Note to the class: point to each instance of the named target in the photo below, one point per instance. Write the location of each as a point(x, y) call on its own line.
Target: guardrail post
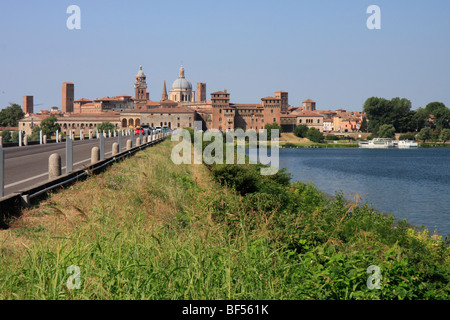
point(54, 166)
point(44, 139)
point(115, 149)
point(25, 140)
point(119, 141)
point(95, 155)
point(40, 137)
point(109, 133)
point(129, 144)
point(69, 155)
point(96, 134)
point(1, 141)
point(2, 171)
point(20, 138)
point(90, 134)
point(57, 136)
point(138, 142)
point(81, 135)
point(102, 147)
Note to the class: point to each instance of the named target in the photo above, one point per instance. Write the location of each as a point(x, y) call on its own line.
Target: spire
point(181, 71)
point(164, 92)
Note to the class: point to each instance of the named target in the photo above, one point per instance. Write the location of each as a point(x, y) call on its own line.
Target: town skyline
point(320, 51)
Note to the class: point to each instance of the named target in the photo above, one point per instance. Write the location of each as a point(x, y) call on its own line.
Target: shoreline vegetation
point(149, 229)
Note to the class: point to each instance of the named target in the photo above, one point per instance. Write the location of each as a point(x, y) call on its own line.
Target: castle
point(178, 108)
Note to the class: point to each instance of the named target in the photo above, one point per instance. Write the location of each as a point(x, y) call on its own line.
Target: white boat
point(404, 144)
point(377, 143)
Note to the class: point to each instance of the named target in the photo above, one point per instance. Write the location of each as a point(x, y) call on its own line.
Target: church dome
point(181, 82)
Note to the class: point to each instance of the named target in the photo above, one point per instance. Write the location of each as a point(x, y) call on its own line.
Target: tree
point(445, 135)
point(301, 130)
point(6, 134)
point(314, 135)
point(419, 119)
point(35, 133)
point(386, 131)
point(273, 126)
point(396, 112)
point(378, 112)
point(10, 116)
point(435, 134)
point(364, 126)
point(424, 134)
point(441, 114)
point(407, 136)
point(49, 126)
point(105, 126)
point(15, 137)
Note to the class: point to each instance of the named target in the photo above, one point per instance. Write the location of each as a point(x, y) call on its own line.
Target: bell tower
point(140, 90)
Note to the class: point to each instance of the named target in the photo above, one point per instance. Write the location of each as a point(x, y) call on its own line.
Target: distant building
point(182, 106)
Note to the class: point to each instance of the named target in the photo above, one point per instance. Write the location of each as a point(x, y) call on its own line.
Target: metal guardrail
point(12, 205)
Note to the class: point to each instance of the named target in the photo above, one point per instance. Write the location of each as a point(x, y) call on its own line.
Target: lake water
point(412, 184)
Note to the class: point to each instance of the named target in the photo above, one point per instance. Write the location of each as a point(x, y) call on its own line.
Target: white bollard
point(115, 149)
point(54, 166)
point(95, 155)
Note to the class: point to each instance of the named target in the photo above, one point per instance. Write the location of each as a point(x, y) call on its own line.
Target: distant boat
point(404, 144)
point(377, 143)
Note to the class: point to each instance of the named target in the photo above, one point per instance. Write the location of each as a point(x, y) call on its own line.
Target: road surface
point(27, 166)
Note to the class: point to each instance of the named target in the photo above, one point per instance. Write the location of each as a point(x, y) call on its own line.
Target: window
point(274, 120)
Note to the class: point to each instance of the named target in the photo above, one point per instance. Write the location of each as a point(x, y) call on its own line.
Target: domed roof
point(181, 82)
point(140, 73)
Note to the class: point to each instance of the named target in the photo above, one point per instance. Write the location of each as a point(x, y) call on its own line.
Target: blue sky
point(313, 49)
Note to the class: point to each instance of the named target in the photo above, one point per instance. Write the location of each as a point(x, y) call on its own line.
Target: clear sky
point(318, 49)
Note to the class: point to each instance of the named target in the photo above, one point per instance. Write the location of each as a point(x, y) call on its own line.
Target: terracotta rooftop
point(270, 98)
point(308, 114)
point(83, 100)
point(220, 92)
point(168, 110)
point(309, 100)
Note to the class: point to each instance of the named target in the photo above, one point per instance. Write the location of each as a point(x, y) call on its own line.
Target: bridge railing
point(97, 153)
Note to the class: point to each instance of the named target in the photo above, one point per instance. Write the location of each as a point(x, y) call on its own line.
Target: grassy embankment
point(149, 229)
point(289, 140)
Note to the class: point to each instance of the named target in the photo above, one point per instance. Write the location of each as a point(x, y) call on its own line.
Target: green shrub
point(331, 137)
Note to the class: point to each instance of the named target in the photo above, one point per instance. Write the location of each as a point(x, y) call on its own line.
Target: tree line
point(386, 117)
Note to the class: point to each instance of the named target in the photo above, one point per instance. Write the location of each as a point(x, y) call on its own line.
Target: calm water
point(411, 184)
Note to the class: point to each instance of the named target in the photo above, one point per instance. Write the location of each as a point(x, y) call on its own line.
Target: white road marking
point(46, 173)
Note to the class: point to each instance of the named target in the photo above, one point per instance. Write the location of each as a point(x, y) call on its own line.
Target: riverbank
point(149, 229)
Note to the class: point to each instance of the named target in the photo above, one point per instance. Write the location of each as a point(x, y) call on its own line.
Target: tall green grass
point(149, 229)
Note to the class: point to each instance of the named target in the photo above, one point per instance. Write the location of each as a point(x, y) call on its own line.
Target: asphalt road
point(28, 166)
